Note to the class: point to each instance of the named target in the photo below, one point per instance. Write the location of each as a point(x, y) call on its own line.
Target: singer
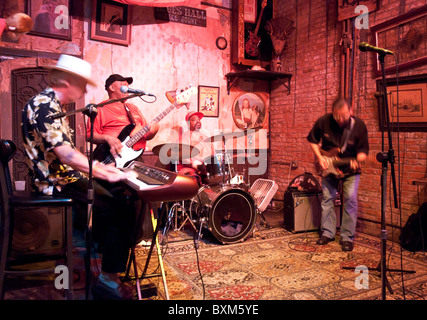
point(114, 117)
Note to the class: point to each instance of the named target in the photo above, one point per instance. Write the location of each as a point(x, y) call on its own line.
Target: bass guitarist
point(113, 118)
point(341, 131)
point(108, 125)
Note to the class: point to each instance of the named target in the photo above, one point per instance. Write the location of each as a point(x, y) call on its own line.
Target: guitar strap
point(129, 114)
point(346, 135)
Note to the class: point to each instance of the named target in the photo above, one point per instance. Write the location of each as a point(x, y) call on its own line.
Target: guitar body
point(251, 46)
point(334, 161)
point(102, 151)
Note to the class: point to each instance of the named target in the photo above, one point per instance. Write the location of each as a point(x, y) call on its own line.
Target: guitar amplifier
point(302, 211)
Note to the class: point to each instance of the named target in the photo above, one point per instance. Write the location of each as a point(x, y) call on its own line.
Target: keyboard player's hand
point(110, 173)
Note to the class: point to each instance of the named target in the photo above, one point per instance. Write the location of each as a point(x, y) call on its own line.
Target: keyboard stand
point(154, 241)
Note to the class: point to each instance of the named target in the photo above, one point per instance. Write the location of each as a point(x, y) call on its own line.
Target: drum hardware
point(174, 152)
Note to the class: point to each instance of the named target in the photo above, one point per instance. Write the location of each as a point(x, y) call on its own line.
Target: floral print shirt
point(41, 134)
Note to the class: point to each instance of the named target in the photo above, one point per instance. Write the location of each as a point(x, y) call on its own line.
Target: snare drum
point(230, 212)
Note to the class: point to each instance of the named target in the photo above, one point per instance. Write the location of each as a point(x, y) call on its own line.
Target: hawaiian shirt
point(41, 134)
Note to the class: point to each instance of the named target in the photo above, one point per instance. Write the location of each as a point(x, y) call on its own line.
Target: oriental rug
point(278, 265)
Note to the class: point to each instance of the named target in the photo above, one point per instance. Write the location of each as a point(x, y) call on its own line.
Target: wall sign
point(185, 15)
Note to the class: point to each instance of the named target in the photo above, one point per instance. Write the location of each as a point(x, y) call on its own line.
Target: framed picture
point(110, 22)
point(407, 102)
point(405, 36)
point(51, 18)
point(208, 101)
point(249, 111)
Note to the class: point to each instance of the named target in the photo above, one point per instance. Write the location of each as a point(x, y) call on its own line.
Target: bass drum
point(230, 213)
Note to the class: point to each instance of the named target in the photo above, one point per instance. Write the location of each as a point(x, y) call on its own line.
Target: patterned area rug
point(276, 264)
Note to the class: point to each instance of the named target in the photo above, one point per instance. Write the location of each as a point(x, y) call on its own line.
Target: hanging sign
point(185, 15)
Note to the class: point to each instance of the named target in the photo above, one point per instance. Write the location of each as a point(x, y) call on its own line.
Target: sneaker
point(109, 287)
point(144, 243)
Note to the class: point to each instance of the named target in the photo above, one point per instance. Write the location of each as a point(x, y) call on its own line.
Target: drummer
point(194, 166)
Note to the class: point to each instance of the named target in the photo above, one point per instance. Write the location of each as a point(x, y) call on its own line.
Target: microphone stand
point(385, 158)
point(91, 111)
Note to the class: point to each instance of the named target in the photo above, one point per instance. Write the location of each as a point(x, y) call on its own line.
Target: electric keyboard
point(156, 184)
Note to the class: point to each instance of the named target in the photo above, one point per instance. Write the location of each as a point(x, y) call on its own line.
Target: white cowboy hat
point(74, 66)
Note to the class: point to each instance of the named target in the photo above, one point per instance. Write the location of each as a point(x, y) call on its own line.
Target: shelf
point(259, 75)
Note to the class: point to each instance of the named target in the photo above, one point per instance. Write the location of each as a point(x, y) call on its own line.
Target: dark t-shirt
point(329, 134)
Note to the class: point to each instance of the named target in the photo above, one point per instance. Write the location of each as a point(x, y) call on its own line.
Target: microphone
point(363, 46)
point(125, 89)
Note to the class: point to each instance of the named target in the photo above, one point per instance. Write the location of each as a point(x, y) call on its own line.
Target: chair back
point(7, 151)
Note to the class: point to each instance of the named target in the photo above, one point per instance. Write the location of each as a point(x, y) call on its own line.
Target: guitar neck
point(138, 136)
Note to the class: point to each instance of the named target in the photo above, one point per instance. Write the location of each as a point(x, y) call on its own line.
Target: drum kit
point(223, 205)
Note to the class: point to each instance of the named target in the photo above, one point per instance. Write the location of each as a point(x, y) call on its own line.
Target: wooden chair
point(10, 201)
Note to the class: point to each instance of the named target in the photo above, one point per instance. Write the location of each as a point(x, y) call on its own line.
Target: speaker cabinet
point(302, 211)
point(38, 231)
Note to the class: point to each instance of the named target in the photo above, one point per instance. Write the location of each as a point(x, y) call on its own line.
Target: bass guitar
point(127, 154)
point(251, 46)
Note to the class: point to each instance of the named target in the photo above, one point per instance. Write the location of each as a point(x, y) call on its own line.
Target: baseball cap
point(193, 113)
point(116, 77)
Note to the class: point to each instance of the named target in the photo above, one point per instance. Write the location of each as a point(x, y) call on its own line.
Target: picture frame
point(244, 33)
point(52, 19)
point(110, 22)
point(404, 36)
point(208, 101)
point(409, 97)
point(249, 111)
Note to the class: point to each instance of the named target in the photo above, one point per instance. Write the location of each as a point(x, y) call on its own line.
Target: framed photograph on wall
point(407, 102)
point(405, 36)
point(110, 22)
point(51, 19)
point(208, 101)
point(249, 111)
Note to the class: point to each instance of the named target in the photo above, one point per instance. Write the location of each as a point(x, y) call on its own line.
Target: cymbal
point(228, 135)
point(176, 151)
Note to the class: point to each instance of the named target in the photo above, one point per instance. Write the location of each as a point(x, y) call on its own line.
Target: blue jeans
point(349, 216)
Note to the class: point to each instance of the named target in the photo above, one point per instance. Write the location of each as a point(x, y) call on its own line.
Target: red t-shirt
point(112, 118)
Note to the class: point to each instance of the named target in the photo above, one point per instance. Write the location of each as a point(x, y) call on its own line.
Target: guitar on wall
point(252, 45)
point(127, 154)
point(334, 161)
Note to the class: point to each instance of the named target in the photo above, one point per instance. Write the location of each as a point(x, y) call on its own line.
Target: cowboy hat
point(74, 66)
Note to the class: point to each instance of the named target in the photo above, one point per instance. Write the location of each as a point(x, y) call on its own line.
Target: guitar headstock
point(180, 98)
point(264, 4)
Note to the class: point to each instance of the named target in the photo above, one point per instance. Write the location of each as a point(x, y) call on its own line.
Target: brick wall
point(313, 56)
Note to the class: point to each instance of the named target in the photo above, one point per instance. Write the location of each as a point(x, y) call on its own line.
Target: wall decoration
point(221, 43)
point(208, 101)
point(249, 111)
point(409, 103)
point(181, 14)
point(251, 44)
point(110, 22)
point(406, 36)
point(347, 9)
point(52, 18)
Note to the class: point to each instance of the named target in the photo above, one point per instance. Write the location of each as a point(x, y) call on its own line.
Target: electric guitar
point(251, 46)
point(127, 154)
point(334, 161)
